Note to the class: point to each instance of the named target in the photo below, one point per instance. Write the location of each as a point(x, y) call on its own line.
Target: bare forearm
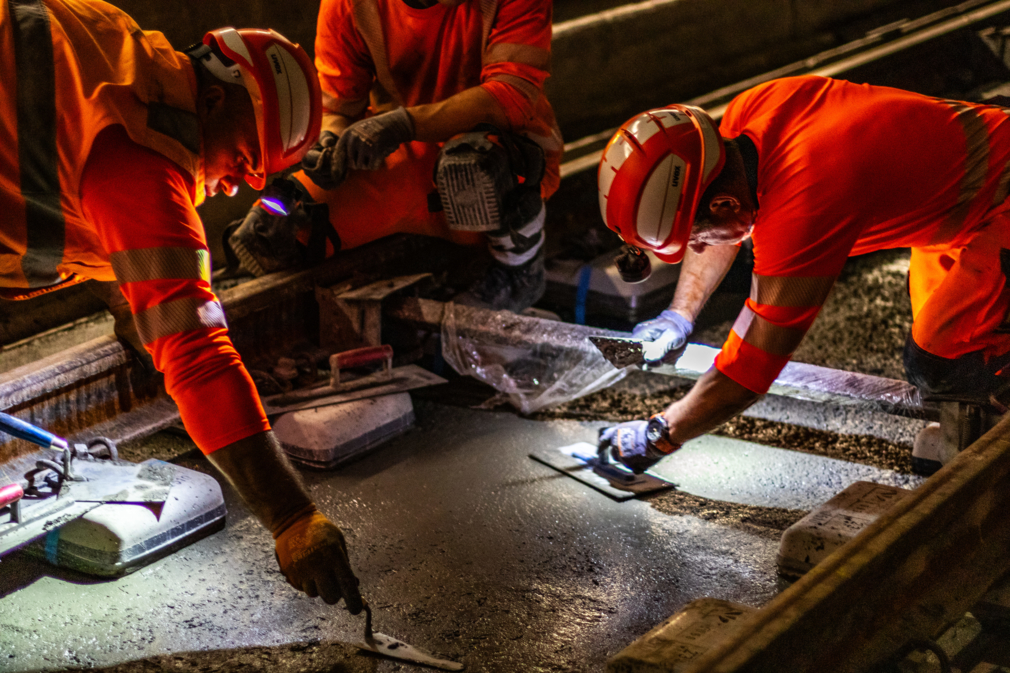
point(335, 123)
point(713, 400)
point(437, 122)
point(700, 274)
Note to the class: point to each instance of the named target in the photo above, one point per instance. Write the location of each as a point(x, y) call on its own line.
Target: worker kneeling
point(119, 138)
point(814, 170)
point(434, 123)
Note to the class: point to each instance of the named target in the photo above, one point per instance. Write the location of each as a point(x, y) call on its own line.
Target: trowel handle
point(27, 431)
point(360, 357)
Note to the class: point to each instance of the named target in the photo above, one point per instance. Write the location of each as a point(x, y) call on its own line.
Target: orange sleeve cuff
point(216, 396)
point(748, 365)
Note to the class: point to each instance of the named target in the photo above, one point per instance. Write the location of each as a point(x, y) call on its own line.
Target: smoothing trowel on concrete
point(593, 467)
point(387, 646)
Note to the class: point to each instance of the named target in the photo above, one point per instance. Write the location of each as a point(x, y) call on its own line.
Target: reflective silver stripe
point(797, 291)
point(767, 336)
point(504, 249)
point(529, 90)
point(38, 156)
point(976, 167)
point(181, 315)
point(135, 266)
point(366, 17)
point(518, 53)
point(489, 12)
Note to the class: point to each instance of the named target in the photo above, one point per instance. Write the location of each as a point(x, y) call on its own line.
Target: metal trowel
point(619, 351)
point(387, 646)
point(583, 462)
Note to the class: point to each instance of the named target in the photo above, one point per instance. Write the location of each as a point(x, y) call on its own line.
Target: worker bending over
point(400, 78)
point(815, 170)
point(111, 138)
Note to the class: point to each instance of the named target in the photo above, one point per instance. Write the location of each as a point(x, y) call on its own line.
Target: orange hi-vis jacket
point(846, 169)
point(100, 174)
point(385, 52)
point(78, 66)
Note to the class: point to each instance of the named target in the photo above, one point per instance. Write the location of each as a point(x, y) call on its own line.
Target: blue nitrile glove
point(368, 142)
point(665, 333)
point(629, 445)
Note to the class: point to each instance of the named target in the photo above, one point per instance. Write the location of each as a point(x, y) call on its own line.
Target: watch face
point(654, 431)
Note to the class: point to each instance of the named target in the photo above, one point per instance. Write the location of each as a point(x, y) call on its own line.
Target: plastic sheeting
point(532, 363)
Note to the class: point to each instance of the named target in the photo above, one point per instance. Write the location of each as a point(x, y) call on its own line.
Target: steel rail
point(90, 388)
point(873, 47)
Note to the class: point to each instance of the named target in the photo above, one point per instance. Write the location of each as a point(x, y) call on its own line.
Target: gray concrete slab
point(464, 545)
point(727, 469)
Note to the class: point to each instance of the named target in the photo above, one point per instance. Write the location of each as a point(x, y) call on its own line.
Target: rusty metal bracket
point(351, 318)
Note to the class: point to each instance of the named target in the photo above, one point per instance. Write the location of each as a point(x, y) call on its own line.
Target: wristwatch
point(657, 433)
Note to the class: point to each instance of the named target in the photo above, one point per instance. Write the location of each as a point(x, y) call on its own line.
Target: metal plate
point(401, 380)
point(579, 462)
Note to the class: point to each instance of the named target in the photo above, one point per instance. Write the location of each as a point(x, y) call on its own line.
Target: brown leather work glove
point(313, 557)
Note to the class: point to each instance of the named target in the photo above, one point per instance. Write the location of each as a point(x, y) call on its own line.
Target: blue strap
point(582, 293)
point(52, 545)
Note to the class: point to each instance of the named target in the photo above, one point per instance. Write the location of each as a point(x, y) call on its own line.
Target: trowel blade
point(390, 647)
point(579, 462)
point(619, 351)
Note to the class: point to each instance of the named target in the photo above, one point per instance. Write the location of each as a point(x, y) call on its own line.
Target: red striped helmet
point(653, 173)
point(284, 88)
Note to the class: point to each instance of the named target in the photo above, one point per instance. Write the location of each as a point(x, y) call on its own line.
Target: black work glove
point(326, 163)
point(368, 142)
point(265, 243)
point(629, 445)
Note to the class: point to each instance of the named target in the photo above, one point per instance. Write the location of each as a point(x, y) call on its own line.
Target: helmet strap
point(216, 63)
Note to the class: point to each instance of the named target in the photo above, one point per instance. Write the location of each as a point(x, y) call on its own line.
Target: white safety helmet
point(653, 173)
point(284, 88)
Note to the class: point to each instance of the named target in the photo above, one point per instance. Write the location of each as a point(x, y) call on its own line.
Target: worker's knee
point(489, 180)
point(968, 377)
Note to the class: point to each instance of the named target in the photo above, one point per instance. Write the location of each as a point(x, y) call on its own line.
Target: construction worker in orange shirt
point(434, 122)
point(111, 138)
point(814, 170)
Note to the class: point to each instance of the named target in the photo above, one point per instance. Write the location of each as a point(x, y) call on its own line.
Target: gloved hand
point(629, 445)
point(326, 162)
point(369, 141)
point(665, 333)
point(265, 243)
point(313, 557)
point(310, 550)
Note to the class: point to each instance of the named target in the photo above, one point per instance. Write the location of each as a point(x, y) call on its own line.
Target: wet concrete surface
point(464, 546)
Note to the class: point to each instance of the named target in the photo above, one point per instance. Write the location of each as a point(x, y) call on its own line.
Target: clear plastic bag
point(532, 363)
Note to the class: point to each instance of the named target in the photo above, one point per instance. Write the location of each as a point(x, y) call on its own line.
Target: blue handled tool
point(27, 431)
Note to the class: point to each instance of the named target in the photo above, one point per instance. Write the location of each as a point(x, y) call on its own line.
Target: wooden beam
point(915, 570)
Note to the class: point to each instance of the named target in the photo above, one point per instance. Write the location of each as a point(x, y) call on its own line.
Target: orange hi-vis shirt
point(100, 174)
point(69, 69)
point(846, 169)
point(385, 53)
